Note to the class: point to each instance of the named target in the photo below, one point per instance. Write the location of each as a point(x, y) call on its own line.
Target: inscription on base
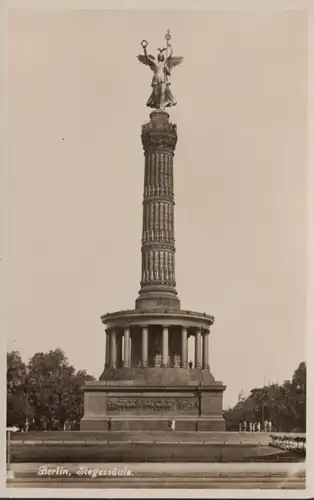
point(146, 404)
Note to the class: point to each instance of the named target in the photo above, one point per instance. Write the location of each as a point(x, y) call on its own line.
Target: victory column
point(146, 380)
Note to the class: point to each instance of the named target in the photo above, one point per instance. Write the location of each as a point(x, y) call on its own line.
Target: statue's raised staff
point(161, 96)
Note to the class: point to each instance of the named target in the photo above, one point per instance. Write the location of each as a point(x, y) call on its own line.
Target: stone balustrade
point(289, 443)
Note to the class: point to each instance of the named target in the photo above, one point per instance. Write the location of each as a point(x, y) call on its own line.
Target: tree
point(16, 404)
point(298, 386)
point(55, 390)
point(284, 405)
point(52, 391)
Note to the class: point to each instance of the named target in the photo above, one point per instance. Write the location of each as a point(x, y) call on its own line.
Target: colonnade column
point(119, 349)
point(107, 354)
point(184, 347)
point(130, 350)
point(206, 349)
point(114, 342)
point(198, 349)
point(126, 342)
point(165, 346)
point(144, 346)
point(113, 349)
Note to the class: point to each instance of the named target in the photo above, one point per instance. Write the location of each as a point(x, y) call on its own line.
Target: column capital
point(194, 330)
point(159, 134)
point(112, 330)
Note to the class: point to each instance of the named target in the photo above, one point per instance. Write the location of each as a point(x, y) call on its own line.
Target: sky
point(77, 98)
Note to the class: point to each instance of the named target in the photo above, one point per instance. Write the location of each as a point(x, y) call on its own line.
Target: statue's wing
point(174, 61)
point(149, 61)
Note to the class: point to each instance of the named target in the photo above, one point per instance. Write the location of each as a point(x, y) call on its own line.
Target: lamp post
point(10, 472)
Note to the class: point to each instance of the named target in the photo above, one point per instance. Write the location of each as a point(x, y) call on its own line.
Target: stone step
point(252, 482)
point(135, 441)
point(151, 474)
point(157, 436)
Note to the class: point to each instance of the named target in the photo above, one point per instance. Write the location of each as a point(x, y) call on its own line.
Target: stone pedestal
point(151, 398)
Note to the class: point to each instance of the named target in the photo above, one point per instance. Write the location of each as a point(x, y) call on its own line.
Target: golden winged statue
point(161, 96)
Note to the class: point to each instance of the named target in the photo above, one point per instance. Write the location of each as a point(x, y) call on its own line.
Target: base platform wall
point(153, 424)
point(136, 408)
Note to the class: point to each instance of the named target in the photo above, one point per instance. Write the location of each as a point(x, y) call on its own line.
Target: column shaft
point(206, 350)
point(198, 349)
point(126, 347)
point(165, 346)
point(119, 350)
point(144, 346)
point(184, 347)
point(130, 351)
point(107, 353)
point(113, 349)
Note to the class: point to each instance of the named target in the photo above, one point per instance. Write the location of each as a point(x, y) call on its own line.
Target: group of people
point(289, 443)
point(255, 426)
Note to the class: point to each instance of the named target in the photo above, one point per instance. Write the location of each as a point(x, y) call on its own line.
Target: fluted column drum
point(159, 138)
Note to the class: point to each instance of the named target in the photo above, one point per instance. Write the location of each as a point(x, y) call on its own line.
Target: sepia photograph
point(157, 249)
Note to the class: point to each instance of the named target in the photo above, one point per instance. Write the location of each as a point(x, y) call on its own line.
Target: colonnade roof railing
point(181, 312)
point(135, 317)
